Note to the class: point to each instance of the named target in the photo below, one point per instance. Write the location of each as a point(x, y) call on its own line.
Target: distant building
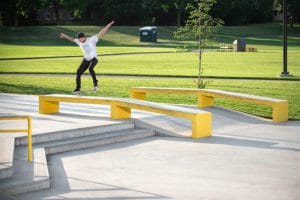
point(277, 11)
point(48, 15)
point(277, 15)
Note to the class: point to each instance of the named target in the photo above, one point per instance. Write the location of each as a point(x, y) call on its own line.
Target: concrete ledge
point(7, 146)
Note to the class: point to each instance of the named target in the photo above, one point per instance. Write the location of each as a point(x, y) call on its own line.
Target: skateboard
point(80, 93)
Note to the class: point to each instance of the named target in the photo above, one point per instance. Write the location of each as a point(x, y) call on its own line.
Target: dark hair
point(80, 35)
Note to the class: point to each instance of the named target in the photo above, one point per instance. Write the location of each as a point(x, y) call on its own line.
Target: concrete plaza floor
point(247, 157)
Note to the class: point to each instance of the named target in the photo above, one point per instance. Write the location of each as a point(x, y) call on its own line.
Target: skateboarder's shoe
point(96, 86)
point(76, 90)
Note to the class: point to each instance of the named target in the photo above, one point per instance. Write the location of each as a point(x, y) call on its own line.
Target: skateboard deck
point(81, 92)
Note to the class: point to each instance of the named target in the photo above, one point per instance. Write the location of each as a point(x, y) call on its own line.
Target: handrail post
point(29, 139)
point(28, 130)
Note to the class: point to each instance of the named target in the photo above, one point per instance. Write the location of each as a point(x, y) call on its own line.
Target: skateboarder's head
point(81, 37)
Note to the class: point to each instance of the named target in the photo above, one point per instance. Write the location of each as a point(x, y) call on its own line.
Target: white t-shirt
point(88, 47)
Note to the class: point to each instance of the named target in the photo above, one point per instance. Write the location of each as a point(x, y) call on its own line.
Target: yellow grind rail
point(206, 98)
point(28, 130)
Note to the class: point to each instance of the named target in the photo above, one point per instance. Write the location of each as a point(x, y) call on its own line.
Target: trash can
point(148, 34)
point(239, 45)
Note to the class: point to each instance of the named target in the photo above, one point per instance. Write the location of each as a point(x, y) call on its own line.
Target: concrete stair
point(21, 176)
point(27, 176)
point(6, 156)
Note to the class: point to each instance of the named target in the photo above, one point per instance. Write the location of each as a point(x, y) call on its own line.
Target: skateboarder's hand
point(112, 22)
point(61, 35)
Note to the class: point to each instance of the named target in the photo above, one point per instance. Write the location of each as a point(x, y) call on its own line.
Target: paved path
point(246, 158)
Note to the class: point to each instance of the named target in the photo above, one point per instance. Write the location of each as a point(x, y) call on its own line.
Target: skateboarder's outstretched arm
point(103, 31)
point(62, 35)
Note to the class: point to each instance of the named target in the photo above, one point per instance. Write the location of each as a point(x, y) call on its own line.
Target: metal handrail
point(28, 130)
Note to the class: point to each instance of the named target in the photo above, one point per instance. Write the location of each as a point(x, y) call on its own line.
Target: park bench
point(224, 47)
point(206, 98)
point(121, 109)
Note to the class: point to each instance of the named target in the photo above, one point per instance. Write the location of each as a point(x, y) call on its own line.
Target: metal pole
point(285, 72)
point(29, 138)
point(200, 53)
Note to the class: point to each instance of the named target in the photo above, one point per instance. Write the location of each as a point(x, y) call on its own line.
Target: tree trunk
point(16, 20)
point(292, 21)
point(15, 11)
point(56, 11)
point(178, 18)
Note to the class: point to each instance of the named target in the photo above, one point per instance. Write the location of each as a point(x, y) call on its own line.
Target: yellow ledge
point(206, 98)
point(121, 109)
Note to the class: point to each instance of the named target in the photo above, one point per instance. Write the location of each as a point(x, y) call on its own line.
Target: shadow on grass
point(49, 36)
point(30, 89)
point(267, 41)
point(128, 36)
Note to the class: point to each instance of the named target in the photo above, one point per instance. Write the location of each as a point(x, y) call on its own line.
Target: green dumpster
point(148, 34)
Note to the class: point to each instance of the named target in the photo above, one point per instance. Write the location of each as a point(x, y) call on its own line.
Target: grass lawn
point(215, 64)
point(26, 41)
point(266, 63)
point(24, 51)
point(43, 41)
point(119, 87)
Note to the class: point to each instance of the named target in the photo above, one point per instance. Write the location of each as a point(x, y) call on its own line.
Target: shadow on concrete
point(230, 141)
point(61, 183)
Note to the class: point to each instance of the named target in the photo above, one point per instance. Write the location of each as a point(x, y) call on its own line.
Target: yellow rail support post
point(29, 122)
point(28, 130)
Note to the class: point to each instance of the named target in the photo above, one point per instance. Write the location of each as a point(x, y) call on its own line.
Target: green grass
point(119, 87)
point(263, 36)
point(17, 41)
point(49, 35)
point(215, 64)
point(43, 41)
point(23, 51)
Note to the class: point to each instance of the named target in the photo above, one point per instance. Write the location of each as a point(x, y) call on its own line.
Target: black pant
point(83, 67)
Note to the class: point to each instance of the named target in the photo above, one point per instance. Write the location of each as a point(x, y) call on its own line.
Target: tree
point(293, 7)
point(199, 25)
point(125, 12)
point(56, 5)
point(12, 11)
point(78, 6)
point(178, 6)
point(243, 12)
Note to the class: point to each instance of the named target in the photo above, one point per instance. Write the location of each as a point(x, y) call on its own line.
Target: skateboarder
point(88, 47)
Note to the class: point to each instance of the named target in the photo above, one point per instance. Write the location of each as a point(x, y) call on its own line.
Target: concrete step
point(97, 140)
point(5, 196)
point(73, 133)
point(7, 146)
point(34, 176)
point(8, 142)
point(27, 176)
